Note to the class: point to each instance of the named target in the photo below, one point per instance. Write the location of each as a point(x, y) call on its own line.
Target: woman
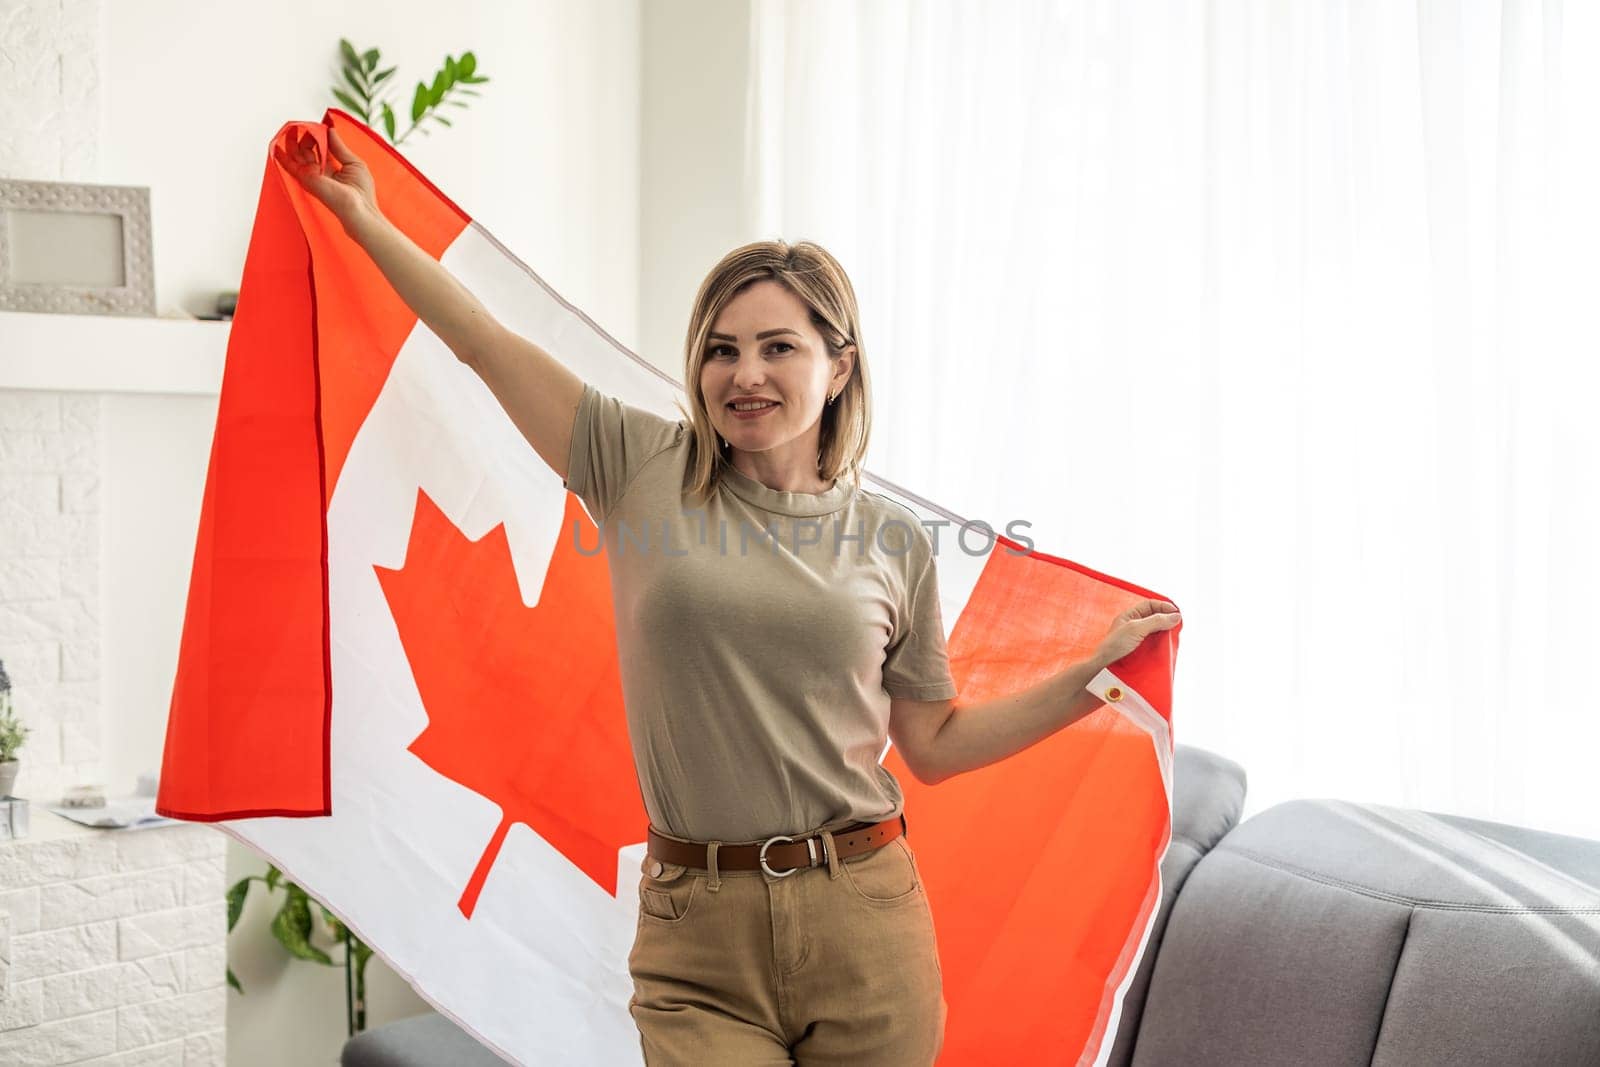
point(775, 624)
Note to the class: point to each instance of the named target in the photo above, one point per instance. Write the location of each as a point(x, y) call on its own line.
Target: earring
point(831, 396)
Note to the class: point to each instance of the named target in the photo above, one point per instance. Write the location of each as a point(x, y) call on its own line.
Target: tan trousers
point(833, 964)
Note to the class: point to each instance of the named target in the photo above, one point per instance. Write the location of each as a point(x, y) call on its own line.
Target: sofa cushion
point(424, 1040)
point(1207, 798)
point(1327, 932)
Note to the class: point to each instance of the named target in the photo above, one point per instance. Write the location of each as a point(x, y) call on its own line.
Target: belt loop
point(830, 850)
point(711, 862)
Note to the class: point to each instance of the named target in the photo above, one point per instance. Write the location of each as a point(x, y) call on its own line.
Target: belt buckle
point(762, 858)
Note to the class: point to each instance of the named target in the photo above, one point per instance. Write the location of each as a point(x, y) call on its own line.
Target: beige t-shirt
point(757, 661)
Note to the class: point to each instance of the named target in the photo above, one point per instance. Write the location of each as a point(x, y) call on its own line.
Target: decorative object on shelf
point(75, 249)
point(292, 926)
point(13, 818)
point(12, 735)
point(227, 302)
point(116, 813)
point(84, 796)
point(366, 83)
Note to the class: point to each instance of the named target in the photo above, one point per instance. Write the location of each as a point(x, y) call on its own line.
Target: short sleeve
point(916, 665)
point(611, 441)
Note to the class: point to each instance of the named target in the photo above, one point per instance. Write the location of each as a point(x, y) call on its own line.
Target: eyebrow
point(759, 336)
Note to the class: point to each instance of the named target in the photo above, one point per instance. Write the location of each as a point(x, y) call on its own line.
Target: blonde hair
point(809, 272)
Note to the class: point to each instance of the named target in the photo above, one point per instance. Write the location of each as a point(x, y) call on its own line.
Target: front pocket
point(667, 897)
point(885, 875)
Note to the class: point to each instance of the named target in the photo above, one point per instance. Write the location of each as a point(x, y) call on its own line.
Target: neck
point(759, 466)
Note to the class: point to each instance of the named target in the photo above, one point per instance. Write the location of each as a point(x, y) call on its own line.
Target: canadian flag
point(398, 677)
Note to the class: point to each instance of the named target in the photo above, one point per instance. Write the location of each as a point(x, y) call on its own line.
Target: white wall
point(547, 159)
point(152, 474)
point(695, 59)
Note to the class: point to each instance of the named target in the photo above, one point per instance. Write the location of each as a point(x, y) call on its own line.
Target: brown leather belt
point(781, 859)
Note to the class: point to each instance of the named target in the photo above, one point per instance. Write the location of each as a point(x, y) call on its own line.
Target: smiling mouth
point(753, 407)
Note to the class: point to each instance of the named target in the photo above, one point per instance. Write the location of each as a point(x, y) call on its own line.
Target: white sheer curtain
point(1284, 310)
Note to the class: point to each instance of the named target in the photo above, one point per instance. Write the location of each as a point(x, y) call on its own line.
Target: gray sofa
point(1318, 932)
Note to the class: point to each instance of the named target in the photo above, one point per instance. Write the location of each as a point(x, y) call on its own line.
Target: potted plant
point(12, 734)
point(292, 926)
point(366, 95)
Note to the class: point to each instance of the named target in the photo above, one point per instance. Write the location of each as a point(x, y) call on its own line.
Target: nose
point(748, 374)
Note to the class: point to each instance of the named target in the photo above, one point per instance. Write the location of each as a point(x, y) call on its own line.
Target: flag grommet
point(1113, 693)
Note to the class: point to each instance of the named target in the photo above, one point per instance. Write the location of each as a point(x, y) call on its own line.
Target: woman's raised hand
point(347, 190)
point(1134, 625)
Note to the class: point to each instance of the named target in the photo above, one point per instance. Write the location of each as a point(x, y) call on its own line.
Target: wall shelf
point(111, 353)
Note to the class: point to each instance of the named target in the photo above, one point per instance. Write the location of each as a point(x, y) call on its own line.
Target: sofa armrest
point(1207, 799)
point(1330, 932)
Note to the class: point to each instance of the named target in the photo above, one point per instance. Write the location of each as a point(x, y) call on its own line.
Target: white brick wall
point(49, 583)
point(112, 943)
point(50, 89)
point(112, 948)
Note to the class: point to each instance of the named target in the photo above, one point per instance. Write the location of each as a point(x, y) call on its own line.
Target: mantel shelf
point(111, 353)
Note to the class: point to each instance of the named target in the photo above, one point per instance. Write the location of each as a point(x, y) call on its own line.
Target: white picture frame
point(75, 249)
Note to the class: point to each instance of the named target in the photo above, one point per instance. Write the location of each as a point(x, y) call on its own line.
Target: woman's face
point(763, 347)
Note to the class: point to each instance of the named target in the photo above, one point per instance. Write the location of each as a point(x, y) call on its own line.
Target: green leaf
point(382, 74)
point(350, 56)
point(458, 103)
point(419, 102)
point(450, 69)
point(292, 927)
point(344, 98)
point(236, 897)
point(436, 93)
point(469, 92)
point(234, 981)
point(273, 875)
point(361, 90)
point(478, 80)
point(468, 64)
point(335, 927)
point(370, 58)
point(388, 122)
point(440, 118)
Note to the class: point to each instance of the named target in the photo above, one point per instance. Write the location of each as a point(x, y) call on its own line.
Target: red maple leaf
point(524, 704)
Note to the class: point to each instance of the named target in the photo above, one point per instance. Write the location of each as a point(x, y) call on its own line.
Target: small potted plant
point(12, 734)
point(293, 925)
point(363, 79)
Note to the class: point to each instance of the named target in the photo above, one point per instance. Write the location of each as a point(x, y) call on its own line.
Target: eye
point(718, 350)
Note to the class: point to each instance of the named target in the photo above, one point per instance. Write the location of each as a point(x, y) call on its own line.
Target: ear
point(844, 366)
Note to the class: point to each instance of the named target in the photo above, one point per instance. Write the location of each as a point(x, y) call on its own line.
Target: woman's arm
point(454, 315)
point(536, 390)
point(976, 735)
point(538, 393)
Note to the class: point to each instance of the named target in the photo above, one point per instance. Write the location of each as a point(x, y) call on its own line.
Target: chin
point(754, 439)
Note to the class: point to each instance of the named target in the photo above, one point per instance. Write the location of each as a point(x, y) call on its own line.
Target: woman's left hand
point(1134, 625)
